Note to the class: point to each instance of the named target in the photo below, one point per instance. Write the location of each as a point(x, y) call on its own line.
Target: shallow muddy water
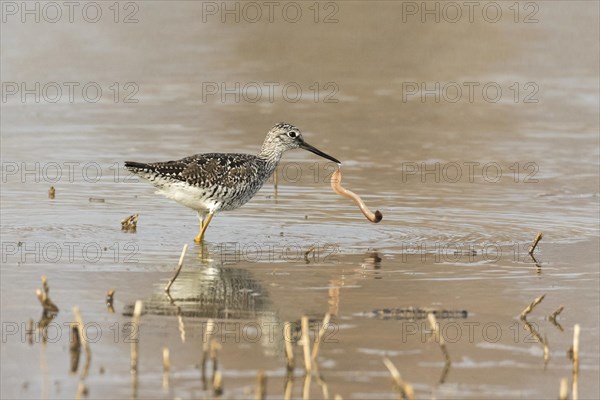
point(465, 178)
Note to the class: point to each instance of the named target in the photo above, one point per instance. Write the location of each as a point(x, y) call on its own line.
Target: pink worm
point(336, 185)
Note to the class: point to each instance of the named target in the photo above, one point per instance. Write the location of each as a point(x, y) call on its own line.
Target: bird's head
point(283, 137)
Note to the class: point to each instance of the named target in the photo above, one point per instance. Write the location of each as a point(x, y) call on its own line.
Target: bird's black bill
point(318, 152)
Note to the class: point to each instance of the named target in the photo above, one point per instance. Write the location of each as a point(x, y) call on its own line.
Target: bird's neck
point(271, 155)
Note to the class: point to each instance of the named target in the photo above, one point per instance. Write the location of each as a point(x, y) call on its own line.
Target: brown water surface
point(463, 186)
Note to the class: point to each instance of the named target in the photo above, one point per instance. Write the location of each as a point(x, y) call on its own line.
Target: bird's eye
point(292, 134)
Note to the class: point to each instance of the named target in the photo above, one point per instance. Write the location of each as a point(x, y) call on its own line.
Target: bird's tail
point(142, 170)
point(134, 166)
point(151, 172)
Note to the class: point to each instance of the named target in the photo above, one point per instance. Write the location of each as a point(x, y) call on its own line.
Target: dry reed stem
point(306, 387)
point(531, 306)
point(576, 332)
point(315, 354)
point(206, 338)
point(552, 318)
point(320, 381)
point(84, 342)
point(43, 323)
point(166, 367)
point(445, 372)
point(563, 394)
point(324, 387)
point(109, 300)
point(322, 331)
point(546, 350)
point(45, 301)
point(44, 298)
point(405, 390)
point(45, 285)
point(74, 346)
point(135, 321)
point(539, 338)
point(557, 325)
point(436, 329)
point(306, 345)
point(218, 384)
point(537, 239)
point(179, 266)
point(289, 386)
point(307, 252)
point(555, 314)
point(109, 296)
point(289, 349)
point(538, 266)
point(261, 385)
point(214, 351)
point(180, 325)
point(29, 331)
point(129, 224)
point(82, 390)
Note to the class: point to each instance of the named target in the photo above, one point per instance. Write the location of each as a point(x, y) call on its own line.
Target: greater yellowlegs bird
point(213, 182)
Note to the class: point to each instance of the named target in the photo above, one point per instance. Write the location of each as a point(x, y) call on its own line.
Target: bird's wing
point(216, 168)
point(200, 169)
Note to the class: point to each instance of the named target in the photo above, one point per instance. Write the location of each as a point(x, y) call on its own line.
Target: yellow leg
point(201, 219)
point(203, 226)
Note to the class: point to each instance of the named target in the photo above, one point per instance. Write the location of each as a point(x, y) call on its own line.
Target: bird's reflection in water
point(212, 292)
point(231, 297)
